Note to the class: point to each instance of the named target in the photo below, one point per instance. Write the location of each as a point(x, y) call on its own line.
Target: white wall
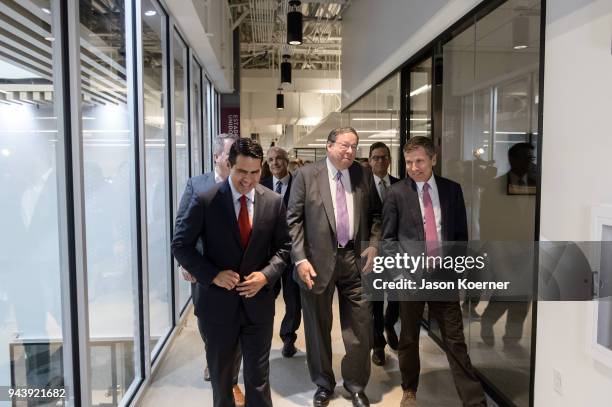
point(577, 147)
point(378, 36)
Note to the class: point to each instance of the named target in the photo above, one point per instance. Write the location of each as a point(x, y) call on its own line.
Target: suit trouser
point(255, 341)
point(448, 315)
point(383, 319)
point(293, 305)
point(355, 317)
point(237, 356)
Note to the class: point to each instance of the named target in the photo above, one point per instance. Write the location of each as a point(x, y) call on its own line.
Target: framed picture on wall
point(600, 310)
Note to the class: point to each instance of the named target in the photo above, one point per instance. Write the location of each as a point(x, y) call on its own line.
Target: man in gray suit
point(198, 184)
point(333, 209)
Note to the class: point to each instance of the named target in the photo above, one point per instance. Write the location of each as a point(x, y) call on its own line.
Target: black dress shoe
point(378, 357)
point(322, 397)
point(289, 350)
point(392, 340)
point(360, 400)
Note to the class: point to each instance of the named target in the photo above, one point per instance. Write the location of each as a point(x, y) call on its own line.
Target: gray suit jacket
point(312, 223)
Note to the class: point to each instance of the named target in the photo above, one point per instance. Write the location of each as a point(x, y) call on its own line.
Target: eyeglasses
point(345, 146)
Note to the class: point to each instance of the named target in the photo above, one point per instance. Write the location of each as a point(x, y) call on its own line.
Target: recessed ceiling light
point(150, 13)
point(520, 47)
point(49, 38)
point(46, 10)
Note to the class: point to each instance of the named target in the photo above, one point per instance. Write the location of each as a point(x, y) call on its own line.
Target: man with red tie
point(243, 229)
point(426, 207)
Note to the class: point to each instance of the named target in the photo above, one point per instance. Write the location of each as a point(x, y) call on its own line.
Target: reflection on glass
point(206, 128)
point(180, 138)
point(108, 161)
point(30, 291)
point(376, 118)
point(490, 140)
point(196, 118)
point(156, 167)
point(420, 99)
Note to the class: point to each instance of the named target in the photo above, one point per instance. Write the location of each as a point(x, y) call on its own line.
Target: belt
point(350, 245)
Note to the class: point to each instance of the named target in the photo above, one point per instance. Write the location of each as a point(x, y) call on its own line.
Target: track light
point(280, 100)
point(294, 23)
point(285, 70)
point(520, 32)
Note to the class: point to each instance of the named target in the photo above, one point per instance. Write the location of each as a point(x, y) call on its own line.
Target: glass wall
point(154, 60)
point(114, 292)
point(196, 117)
point(31, 338)
point(110, 202)
point(181, 142)
point(376, 118)
point(489, 143)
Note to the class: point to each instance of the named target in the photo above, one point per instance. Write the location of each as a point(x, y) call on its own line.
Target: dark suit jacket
point(267, 182)
point(402, 218)
point(312, 223)
point(210, 216)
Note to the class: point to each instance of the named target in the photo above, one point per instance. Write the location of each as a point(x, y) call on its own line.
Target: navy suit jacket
point(210, 216)
point(267, 182)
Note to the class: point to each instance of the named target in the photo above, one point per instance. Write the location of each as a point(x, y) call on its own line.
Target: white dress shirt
point(284, 181)
point(236, 199)
point(377, 180)
point(435, 200)
point(348, 190)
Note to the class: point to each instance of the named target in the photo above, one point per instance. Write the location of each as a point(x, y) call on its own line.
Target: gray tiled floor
point(178, 382)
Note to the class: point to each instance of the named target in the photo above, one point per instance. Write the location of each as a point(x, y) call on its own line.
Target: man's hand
point(252, 284)
point(187, 276)
point(227, 279)
point(306, 273)
point(370, 252)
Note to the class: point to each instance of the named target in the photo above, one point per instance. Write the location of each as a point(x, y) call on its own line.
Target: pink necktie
point(431, 231)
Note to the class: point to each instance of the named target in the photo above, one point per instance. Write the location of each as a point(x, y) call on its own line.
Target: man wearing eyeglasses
point(333, 209)
point(380, 159)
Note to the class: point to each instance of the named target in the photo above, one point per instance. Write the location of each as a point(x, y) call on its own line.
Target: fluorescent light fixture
point(46, 10)
point(150, 13)
point(372, 119)
point(329, 91)
point(419, 119)
point(419, 132)
point(308, 121)
point(422, 89)
point(50, 39)
point(316, 145)
point(520, 47)
point(377, 131)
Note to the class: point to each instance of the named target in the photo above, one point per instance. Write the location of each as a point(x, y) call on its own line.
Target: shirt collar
point(284, 180)
point(218, 177)
point(332, 170)
point(386, 178)
point(431, 181)
point(236, 195)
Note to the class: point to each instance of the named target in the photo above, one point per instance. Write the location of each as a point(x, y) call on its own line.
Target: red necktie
point(431, 230)
point(243, 222)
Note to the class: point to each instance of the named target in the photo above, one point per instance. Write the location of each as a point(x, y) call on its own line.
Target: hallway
point(179, 382)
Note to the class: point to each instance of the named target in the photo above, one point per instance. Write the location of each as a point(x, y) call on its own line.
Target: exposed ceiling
point(263, 33)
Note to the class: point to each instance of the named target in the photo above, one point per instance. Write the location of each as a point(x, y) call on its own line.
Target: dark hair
point(246, 147)
point(379, 144)
point(517, 150)
point(331, 138)
point(420, 141)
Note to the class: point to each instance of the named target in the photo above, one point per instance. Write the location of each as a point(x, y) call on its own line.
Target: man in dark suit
point(380, 158)
point(280, 182)
point(243, 229)
point(429, 208)
point(198, 184)
point(333, 209)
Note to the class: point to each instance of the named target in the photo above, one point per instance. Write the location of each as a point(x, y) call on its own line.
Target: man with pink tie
point(426, 207)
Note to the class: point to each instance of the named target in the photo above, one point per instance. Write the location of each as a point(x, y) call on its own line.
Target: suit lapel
point(415, 207)
point(324, 191)
point(356, 186)
point(444, 205)
point(230, 212)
